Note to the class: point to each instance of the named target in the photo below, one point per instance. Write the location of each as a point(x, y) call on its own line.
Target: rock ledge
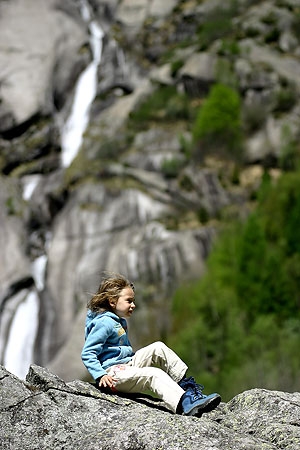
point(44, 412)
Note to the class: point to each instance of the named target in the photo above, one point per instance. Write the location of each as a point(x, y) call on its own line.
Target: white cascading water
point(38, 269)
point(29, 184)
point(85, 92)
point(19, 349)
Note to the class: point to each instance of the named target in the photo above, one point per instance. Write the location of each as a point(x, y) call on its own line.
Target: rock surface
point(131, 201)
point(101, 231)
point(38, 38)
point(46, 413)
point(13, 266)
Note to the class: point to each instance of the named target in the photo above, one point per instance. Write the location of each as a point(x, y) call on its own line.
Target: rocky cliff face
point(45, 412)
point(116, 207)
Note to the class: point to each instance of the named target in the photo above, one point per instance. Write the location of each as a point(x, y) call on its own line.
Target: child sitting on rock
point(108, 355)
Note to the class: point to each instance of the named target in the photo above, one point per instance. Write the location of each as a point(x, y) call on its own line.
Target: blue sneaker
point(193, 401)
point(185, 383)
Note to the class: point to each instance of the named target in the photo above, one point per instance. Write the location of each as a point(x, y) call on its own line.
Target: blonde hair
point(108, 291)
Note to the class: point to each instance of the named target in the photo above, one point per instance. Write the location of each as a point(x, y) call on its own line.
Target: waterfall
point(19, 349)
point(38, 268)
point(21, 321)
point(21, 313)
point(85, 93)
point(30, 182)
point(20, 344)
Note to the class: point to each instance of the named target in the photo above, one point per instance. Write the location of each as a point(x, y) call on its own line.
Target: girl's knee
point(159, 344)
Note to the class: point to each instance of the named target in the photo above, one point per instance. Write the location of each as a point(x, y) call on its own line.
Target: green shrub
point(176, 66)
point(238, 327)
point(218, 123)
point(10, 206)
point(171, 167)
point(281, 212)
point(110, 149)
point(165, 103)
point(185, 145)
point(272, 36)
point(203, 215)
point(186, 183)
point(229, 47)
point(285, 98)
point(225, 74)
point(289, 152)
point(218, 24)
point(296, 23)
point(270, 19)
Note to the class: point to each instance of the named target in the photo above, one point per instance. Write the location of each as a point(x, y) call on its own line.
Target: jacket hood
point(92, 315)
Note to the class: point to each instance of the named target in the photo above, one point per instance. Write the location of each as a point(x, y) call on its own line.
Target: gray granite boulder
point(42, 57)
point(45, 412)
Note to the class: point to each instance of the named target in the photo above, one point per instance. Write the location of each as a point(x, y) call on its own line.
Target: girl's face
point(125, 304)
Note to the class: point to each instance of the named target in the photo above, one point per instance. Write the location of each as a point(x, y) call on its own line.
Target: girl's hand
point(107, 381)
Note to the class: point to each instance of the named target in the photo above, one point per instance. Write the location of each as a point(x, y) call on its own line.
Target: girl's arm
point(93, 347)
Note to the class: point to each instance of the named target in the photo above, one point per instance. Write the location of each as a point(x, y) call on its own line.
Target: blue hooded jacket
point(106, 342)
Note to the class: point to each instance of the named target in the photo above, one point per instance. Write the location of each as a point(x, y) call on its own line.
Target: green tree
point(218, 125)
point(238, 327)
point(250, 260)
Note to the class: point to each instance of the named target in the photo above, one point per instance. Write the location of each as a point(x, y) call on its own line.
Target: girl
point(108, 355)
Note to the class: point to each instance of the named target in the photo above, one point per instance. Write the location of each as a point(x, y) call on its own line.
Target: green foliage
point(171, 167)
point(290, 150)
point(203, 215)
point(225, 73)
point(218, 24)
point(272, 36)
point(262, 282)
point(186, 183)
point(285, 98)
point(251, 249)
point(166, 104)
point(282, 213)
point(229, 47)
point(176, 66)
point(296, 23)
point(218, 123)
point(110, 149)
point(270, 19)
point(185, 145)
point(238, 327)
point(10, 206)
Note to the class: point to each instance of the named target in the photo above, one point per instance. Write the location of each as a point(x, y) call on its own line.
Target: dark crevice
point(20, 129)
point(39, 153)
point(14, 288)
point(20, 402)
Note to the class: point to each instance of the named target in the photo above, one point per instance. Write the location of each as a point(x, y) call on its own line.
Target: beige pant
point(156, 368)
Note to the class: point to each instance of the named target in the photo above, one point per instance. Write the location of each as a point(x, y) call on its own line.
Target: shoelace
point(197, 389)
point(197, 392)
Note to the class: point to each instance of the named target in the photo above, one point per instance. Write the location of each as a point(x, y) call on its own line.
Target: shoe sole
point(211, 404)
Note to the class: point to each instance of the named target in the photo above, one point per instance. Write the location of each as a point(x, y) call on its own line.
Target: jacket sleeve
point(93, 347)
